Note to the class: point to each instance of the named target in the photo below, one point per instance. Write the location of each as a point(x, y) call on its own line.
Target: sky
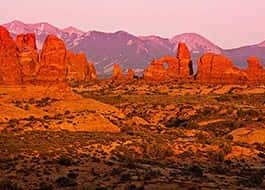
point(227, 23)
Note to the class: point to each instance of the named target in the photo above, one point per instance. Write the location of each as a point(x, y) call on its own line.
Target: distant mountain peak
point(262, 44)
point(71, 30)
point(130, 51)
point(196, 43)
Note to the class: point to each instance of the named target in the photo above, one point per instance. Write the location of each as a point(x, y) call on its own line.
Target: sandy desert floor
point(108, 135)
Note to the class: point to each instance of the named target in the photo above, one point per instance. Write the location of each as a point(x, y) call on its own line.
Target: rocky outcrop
point(255, 72)
point(28, 55)
point(76, 66)
point(249, 134)
point(10, 69)
point(156, 71)
point(20, 61)
point(52, 67)
point(91, 73)
point(213, 68)
point(130, 74)
point(26, 42)
point(183, 51)
point(167, 67)
point(117, 73)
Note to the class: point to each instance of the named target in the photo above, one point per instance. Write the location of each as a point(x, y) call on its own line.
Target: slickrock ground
point(167, 136)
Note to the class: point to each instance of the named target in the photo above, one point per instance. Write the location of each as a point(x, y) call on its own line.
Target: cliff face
point(20, 61)
point(168, 67)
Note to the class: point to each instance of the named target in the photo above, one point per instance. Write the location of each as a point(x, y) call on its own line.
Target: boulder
point(28, 55)
point(213, 68)
point(52, 67)
point(249, 134)
point(10, 69)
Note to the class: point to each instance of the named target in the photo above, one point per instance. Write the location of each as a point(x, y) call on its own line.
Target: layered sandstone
point(130, 74)
point(28, 55)
point(213, 68)
point(52, 65)
point(91, 73)
point(10, 69)
point(20, 61)
point(76, 66)
point(117, 72)
point(255, 71)
point(168, 67)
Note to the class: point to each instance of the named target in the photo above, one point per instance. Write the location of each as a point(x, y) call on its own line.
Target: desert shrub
point(248, 114)
point(223, 127)
point(207, 111)
point(72, 175)
point(159, 151)
point(254, 180)
point(151, 174)
point(196, 171)
point(216, 156)
point(13, 123)
point(65, 161)
point(8, 185)
point(176, 122)
point(125, 177)
point(259, 146)
point(202, 138)
point(45, 186)
point(65, 182)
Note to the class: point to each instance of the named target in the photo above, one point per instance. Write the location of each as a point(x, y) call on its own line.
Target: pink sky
point(228, 23)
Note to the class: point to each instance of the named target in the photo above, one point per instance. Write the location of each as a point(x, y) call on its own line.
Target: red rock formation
point(76, 66)
point(19, 61)
point(52, 60)
point(117, 72)
point(10, 70)
point(255, 71)
point(130, 74)
point(156, 71)
point(183, 51)
point(185, 63)
point(179, 67)
point(28, 55)
point(91, 73)
point(26, 41)
point(213, 68)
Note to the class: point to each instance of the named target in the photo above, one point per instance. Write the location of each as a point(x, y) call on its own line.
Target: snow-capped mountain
point(42, 30)
point(72, 30)
point(130, 51)
point(106, 49)
point(196, 43)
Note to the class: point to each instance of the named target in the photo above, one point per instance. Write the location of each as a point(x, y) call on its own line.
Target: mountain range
point(130, 51)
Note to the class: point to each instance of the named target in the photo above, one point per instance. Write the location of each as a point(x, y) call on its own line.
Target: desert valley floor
point(138, 135)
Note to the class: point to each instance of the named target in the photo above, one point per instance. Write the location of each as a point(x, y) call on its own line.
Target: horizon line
point(138, 36)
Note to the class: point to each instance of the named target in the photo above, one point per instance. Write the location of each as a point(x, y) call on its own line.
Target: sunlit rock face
point(168, 67)
point(255, 71)
point(10, 69)
point(28, 55)
point(213, 68)
point(52, 65)
point(117, 73)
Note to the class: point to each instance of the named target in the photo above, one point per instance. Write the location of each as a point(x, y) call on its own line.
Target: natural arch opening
point(191, 69)
point(165, 65)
